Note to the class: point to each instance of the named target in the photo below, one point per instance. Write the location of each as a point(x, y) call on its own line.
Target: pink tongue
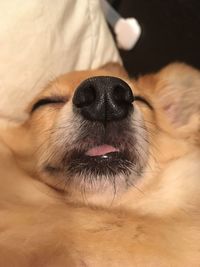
point(101, 150)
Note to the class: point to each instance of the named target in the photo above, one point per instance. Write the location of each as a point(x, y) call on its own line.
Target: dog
point(105, 172)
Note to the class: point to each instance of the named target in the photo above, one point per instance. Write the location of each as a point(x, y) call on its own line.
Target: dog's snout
point(103, 98)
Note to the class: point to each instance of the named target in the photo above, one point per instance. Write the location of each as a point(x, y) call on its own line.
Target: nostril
point(118, 94)
point(84, 97)
point(122, 95)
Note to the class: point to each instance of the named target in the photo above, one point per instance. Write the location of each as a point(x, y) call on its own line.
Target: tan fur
point(155, 223)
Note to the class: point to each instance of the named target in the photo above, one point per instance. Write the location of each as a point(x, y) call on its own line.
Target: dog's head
point(97, 133)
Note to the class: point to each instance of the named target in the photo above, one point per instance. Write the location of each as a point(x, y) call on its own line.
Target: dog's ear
point(115, 69)
point(177, 95)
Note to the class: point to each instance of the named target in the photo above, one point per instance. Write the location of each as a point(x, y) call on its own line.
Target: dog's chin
point(108, 164)
point(95, 172)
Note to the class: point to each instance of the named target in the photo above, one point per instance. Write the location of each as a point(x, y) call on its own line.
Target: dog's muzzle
point(104, 103)
point(105, 145)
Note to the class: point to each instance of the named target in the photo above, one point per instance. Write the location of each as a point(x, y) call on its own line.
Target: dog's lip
point(101, 150)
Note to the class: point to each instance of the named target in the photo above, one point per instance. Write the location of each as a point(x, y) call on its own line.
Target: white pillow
point(42, 39)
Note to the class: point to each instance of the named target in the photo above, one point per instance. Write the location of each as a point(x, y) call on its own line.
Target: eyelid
point(49, 100)
point(143, 100)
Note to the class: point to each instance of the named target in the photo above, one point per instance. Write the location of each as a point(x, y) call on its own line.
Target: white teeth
point(104, 156)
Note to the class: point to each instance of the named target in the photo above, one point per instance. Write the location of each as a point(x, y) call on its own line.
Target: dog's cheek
point(59, 138)
point(42, 128)
point(67, 126)
point(142, 134)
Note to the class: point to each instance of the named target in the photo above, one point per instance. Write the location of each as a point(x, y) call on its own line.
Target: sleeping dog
point(105, 172)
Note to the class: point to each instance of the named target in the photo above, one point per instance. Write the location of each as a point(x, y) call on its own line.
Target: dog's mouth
point(95, 159)
point(102, 151)
point(98, 161)
point(100, 154)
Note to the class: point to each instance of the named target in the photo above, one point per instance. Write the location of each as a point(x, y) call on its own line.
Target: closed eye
point(49, 101)
point(143, 100)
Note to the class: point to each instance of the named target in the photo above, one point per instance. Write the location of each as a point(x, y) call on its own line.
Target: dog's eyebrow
point(142, 99)
point(49, 100)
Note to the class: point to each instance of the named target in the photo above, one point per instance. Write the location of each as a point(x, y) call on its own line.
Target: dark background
point(170, 32)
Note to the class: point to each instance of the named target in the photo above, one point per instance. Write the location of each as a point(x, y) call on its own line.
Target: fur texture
point(54, 220)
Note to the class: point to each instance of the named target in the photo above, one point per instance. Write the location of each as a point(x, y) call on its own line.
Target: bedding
point(42, 39)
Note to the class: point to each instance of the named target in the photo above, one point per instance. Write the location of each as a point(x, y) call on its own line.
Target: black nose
point(103, 98)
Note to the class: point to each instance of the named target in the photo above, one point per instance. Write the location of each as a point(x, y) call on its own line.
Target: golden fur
point(154, 223)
